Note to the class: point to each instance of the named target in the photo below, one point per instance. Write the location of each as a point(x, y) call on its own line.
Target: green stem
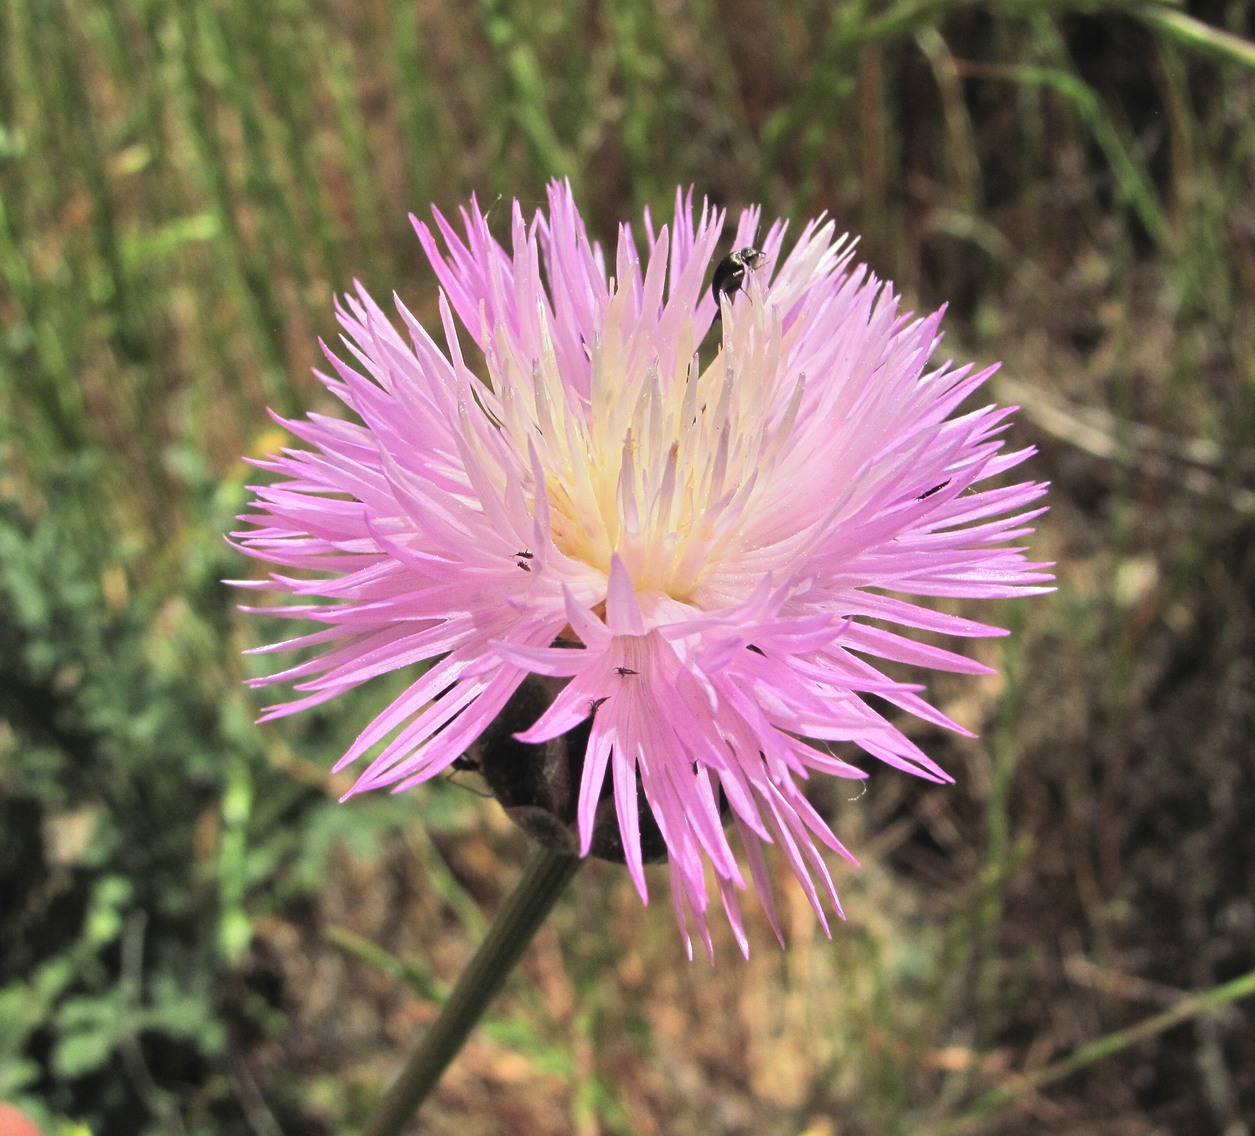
point(1198, 35)
point(544, 879)
point(1191, 1006)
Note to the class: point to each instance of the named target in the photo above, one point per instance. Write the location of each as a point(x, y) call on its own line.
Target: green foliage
point(143, 825)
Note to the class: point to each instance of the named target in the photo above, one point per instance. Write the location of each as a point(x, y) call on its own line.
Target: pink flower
point(721, 530)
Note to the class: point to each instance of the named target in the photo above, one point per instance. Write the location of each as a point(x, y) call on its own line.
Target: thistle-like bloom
point(711, 552)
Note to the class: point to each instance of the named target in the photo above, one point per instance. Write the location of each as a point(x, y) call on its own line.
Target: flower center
point(653, 457)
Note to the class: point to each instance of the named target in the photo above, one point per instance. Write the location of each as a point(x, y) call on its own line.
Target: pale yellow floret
point(662, 460)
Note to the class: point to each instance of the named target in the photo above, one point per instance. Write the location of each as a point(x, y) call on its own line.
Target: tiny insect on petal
point(730, 271)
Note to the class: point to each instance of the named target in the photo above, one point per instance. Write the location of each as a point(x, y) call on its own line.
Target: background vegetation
point(195, 939)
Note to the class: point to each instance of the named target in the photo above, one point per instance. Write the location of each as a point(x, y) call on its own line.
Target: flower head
point(710, 554)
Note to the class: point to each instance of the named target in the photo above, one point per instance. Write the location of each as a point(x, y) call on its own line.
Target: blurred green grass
point(184, 943)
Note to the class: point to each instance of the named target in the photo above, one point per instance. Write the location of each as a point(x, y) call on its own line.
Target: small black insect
point(625, 671)
point(465, 764)
point(522, 561)
point(730, 271)
point(596, 702)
